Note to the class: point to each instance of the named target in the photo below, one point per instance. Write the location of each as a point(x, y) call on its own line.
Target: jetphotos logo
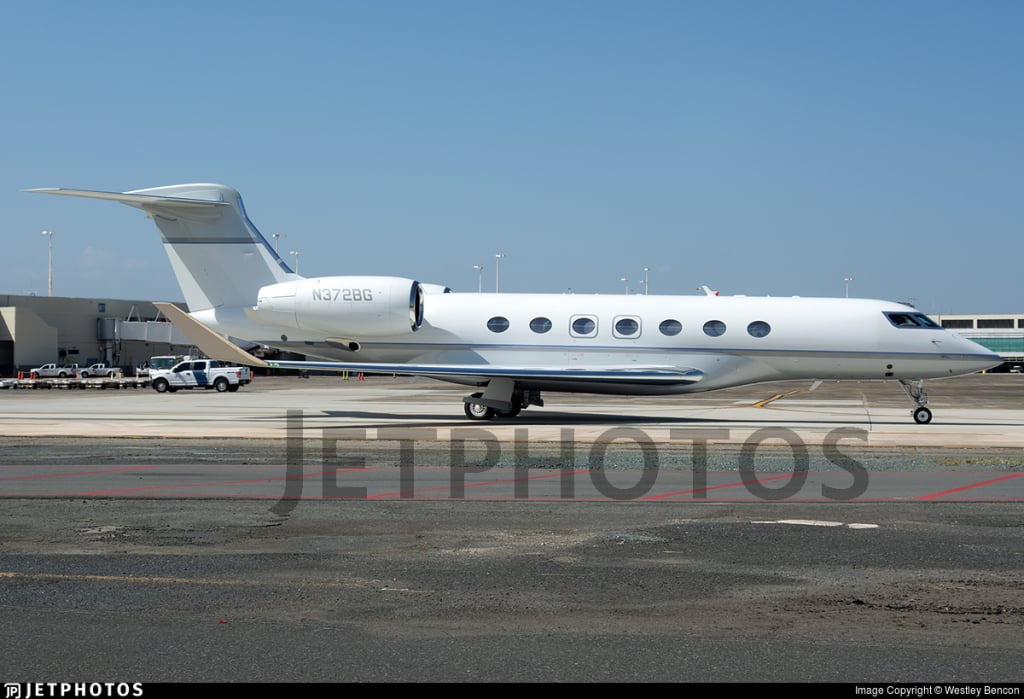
point(618, 464)
point(34, 690)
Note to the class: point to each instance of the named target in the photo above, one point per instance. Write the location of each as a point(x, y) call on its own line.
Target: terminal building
point(37, 330)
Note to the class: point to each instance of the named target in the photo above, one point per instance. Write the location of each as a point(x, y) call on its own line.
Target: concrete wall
point(33, 341)
point(56, 329)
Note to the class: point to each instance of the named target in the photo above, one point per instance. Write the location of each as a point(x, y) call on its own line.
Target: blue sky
point(757, 147)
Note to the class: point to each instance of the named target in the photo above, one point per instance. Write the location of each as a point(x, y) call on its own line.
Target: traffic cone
point(361, 377)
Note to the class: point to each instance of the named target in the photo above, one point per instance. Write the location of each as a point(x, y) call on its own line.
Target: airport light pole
point(479, 277)
point(647, 271)
point(497, 260)
point(49, 234)
point(626, 282)
point(846, 281)
point(296, 253)
point(277, 242)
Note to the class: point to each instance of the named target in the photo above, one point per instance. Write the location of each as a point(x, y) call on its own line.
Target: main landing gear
point(492, 403)
point(915, 390)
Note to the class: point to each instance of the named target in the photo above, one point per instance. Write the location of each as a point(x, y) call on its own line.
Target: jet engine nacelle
point(350, 307)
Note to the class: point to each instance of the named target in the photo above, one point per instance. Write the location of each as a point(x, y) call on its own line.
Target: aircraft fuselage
point(732, 340)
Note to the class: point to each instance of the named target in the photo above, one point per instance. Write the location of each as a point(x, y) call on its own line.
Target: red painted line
point(972, 486)
point(412, 493)
point(718, 487)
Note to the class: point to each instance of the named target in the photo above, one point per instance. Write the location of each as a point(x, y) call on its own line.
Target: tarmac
point(306, 530)
point(984, 411)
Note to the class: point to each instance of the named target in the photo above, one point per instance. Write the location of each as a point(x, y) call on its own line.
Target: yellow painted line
point(766, 401)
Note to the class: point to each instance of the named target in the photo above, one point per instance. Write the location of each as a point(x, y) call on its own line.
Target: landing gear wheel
point(517, 405)
point(475, 411)
point(922, 416)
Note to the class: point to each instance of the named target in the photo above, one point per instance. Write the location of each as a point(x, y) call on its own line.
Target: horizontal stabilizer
point(140, 200)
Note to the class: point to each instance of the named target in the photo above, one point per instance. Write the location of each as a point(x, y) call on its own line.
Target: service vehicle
point(54, 371)
point(164, 361)
point(200, 373)
point(95, 370)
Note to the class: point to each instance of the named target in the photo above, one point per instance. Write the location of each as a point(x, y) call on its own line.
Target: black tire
point(161, 386)
point(221, 384)
point(475, 411)
point(233, 387)
point(62, 375)
point(922, 415)
point(517, 406)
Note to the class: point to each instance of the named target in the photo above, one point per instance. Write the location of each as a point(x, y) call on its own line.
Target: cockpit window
point(911, 320)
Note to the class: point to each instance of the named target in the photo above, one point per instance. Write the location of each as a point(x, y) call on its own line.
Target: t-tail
point(218, 255)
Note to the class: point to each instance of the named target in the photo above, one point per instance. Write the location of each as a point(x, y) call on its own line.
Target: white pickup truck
point(99, 370)
point(200, 373)
point(54, 371)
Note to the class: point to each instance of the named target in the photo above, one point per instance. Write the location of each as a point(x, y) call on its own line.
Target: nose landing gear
point(922, 415)
point(915, 390)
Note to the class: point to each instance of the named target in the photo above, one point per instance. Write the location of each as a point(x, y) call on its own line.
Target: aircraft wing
point(214, 345)
point(218, 347)
point(632, 374)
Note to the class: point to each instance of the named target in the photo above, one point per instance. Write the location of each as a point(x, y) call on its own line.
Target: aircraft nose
point(988, 362)
point(977, 357)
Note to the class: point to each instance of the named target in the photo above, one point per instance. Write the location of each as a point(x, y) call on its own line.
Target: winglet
point(212, 344)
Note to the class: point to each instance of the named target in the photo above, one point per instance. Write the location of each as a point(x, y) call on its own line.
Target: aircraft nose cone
point(977, 357)
point(986, 362)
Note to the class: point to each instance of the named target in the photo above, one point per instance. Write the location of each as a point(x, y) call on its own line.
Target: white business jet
point(512, 347)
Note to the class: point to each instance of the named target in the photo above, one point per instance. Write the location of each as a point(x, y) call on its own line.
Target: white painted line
point(817, 523)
